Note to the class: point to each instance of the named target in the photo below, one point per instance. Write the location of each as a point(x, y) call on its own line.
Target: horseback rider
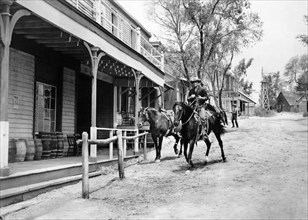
point(197, 97)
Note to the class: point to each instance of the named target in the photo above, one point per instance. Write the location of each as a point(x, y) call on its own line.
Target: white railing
point(94, 133)
point(102, 12)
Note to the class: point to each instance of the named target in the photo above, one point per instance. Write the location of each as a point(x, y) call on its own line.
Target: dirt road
point(265, 177)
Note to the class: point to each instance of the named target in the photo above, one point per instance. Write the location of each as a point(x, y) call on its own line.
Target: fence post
point(120, 154)
point(145, 157)
point(85, 166)
point(111, 146)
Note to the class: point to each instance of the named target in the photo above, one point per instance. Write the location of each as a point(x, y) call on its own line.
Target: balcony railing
point(102, 12)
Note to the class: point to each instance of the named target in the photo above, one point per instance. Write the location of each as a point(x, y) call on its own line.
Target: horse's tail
point(220, 127)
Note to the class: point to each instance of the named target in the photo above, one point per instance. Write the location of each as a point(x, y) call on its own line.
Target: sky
point(283, 20)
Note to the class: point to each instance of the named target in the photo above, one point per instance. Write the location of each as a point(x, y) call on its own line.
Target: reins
point(187, 119)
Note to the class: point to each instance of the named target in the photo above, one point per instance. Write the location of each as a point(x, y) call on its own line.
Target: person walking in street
point(234, 114)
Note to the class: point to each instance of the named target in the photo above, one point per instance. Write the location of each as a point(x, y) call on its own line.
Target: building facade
point(70, 66)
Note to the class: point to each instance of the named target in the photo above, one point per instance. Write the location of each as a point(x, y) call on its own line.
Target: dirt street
point(265, 177)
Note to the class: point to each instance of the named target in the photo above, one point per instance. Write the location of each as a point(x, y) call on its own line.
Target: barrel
point(53, 150)
point(12, 151)
point(30, 148)
point(60, 144)
point(21, 149)
point(46, 144)
point(38, 149)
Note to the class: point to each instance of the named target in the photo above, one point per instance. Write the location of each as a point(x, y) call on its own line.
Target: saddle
point(169, 114)
point(203, 123)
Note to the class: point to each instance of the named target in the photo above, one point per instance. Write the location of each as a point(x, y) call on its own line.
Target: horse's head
point(178, 113)
point(143, 117)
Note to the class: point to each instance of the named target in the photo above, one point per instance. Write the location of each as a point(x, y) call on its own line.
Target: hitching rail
point(85, 155)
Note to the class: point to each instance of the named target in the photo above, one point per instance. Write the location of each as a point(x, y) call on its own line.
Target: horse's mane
point(187, 108)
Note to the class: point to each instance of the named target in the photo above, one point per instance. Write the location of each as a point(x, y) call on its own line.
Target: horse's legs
point(185, 150)
point(160, 141)
point(182, 143)
point(221, 146)
point(191, 149)
point(175, 147)
point(208, 147)
point(154, 138)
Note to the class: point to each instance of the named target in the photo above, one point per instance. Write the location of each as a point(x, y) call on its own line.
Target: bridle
point(144, 113)
point(181, 114)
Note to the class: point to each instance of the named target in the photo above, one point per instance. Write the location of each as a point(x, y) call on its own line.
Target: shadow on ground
point(197, 165)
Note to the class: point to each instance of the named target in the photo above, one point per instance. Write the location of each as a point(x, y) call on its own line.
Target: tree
point(304, 37)
point(203, 36)
point(296, 72)
point(240, 73)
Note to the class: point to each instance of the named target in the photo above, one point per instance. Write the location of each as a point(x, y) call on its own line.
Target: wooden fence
point(85, 155)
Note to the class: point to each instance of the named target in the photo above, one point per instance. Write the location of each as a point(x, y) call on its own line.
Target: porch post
point(138, 40)
point(162, 97)
point(95, 59)
point(6, 28)
point(138, 77)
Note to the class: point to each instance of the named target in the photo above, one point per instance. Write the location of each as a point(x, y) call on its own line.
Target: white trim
point(4, 144)
point(46, 11)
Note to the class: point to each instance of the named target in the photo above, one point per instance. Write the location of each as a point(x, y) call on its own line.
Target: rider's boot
point(204, 128)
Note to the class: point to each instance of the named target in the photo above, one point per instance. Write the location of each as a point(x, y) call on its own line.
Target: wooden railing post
point(138, 39)
point(145, 157)
point(85, 166)
point(110, 146)
point(120, 154)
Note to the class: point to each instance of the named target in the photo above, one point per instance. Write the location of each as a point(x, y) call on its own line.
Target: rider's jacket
point(199, 91)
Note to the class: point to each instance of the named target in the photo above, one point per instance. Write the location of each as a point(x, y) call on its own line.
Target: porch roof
point(57, 25)
point(245, 98)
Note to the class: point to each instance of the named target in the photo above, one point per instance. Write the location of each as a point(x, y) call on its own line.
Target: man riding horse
point(197, 98)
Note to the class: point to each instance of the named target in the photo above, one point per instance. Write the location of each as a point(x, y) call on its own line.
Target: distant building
point(231, 96)
point(291, 102)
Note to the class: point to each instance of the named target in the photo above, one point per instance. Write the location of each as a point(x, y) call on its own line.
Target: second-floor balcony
point(102, 12)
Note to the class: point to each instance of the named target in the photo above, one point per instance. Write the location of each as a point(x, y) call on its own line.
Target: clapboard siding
point(69, 102)
point(21, 85)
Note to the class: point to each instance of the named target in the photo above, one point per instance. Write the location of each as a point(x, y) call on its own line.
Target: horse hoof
point(157, 160)
point(176, 151)
point(224, 159)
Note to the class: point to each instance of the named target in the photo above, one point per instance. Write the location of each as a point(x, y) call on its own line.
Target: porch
point(30, 178)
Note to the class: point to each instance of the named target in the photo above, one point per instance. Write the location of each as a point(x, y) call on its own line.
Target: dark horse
point(161, 125)
point(192, 130)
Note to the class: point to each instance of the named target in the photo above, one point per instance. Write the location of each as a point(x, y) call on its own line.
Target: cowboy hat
point(195, 79)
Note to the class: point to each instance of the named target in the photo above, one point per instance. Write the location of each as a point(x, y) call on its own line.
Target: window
point(45, 111)
point(114, 21)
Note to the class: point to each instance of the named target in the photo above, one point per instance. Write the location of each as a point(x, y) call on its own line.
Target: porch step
point(25, 185)
point(22, 193)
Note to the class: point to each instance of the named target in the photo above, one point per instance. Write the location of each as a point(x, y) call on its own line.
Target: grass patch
point(261, 112)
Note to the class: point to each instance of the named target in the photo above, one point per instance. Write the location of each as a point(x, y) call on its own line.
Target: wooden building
point(291, 102)
point(71, 66)
point(232, 96)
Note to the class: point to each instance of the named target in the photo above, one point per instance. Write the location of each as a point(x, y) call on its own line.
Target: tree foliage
point(202, 37)
point(296, 72)
point(304, 37)
point(240, 73)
